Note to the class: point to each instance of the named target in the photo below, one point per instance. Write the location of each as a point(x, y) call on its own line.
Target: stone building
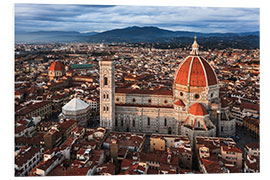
point(78, 110)
point(192, 108)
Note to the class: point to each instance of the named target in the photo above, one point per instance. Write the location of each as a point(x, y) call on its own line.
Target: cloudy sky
point(87, 18)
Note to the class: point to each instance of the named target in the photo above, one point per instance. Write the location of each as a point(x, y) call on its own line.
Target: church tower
point(107, 91)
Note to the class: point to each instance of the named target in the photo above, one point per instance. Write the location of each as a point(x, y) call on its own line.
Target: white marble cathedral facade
point(192, 108)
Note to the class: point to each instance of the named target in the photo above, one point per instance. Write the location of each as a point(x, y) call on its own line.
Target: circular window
point(165, 101)
point(149, 100)
point(197, 96)
point(117, 99)
point(133, 100)
point(181, 93)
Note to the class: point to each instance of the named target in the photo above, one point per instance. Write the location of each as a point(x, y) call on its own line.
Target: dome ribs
point(197, 76)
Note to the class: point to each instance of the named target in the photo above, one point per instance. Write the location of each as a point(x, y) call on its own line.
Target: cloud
point(100, 18)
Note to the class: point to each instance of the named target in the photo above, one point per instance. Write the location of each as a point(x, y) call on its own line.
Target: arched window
point(104, 96)
point(199, 124)
point(107, 108)
point(122, 123)
point(105, 81)
point(107, 96)
point(148, 121)
point(133, 123)
point(165, 122)
point(116, 122)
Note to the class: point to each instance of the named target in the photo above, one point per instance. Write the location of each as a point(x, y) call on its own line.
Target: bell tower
point(107, 91)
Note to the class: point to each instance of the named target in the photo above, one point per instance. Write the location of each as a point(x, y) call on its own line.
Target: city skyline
point(136, 101)
point(99, 18)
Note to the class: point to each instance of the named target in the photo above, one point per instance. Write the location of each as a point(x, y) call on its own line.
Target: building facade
point(192, 108)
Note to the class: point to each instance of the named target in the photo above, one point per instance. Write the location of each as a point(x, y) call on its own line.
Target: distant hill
point(52, 36)
point(137, 34)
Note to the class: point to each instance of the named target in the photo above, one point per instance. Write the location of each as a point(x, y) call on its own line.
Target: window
point(181, 94)
point(197, 96)
point(133, 123)
point(104, 108)
point(122, 123)
point(148, 121)
point(221, 129)
point(116, 124)
point(117, 99)
point(199, 124)
point(149, 100)
point(107, 108)
point(107, 96)
point(105, 81)
point(165, 102)
point(165, 122)
point(133, 100)
point(104, 96)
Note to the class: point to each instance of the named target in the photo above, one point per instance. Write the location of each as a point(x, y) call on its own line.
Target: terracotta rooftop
point(179, 102)
point(26, 155)
point(144, 91)
point(198, 109)
point(57, 66)
point(144, 105)
point(32, 107)
point(195, 71)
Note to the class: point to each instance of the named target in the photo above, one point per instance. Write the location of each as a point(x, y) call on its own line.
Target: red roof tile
point(195, 71)
point(57, 66)
point(198, 109)
point(179, 103)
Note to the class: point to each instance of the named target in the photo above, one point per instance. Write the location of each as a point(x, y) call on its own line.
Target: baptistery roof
point(75, 104)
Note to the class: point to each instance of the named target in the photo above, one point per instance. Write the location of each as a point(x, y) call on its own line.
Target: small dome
point(57, 66)
point(75, 105)
point(198, 109)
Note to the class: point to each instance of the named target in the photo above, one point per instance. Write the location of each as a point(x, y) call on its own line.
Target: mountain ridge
point(132, 34)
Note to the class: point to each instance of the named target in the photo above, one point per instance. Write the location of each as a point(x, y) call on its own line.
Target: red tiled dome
point(195, 71)
point(197, 109)
point(57, 66)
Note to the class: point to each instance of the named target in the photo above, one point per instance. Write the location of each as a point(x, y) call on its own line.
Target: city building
point(56, 70)
point(78, 110)
point(252, 158)
point(26, 159)
point(218, 155)
point(192, 108)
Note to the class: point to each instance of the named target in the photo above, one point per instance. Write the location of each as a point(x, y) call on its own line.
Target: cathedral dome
point(57, 66)
point(198, 109)
point(195, 70)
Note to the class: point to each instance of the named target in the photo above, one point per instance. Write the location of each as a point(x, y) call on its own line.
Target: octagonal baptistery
point(76, 109)
point(195, 81)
